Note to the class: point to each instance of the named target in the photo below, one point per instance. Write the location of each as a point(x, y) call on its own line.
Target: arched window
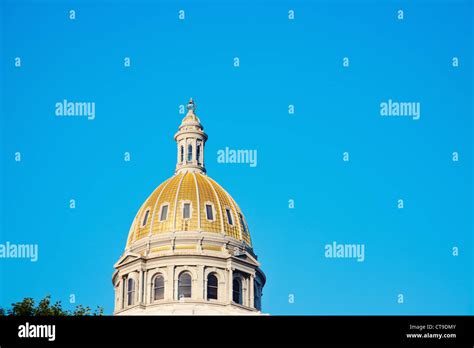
point(237, 291)
point(190, 152)
point(212, 287)
point(184, 285)
point(257, 296)
point(130, 291)
point(198, 153)
point(158, 288)
point(182, 153)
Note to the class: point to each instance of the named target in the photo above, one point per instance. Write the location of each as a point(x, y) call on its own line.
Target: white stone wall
point(199, 264)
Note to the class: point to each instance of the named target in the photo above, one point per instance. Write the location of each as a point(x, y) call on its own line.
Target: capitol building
point(189, 249)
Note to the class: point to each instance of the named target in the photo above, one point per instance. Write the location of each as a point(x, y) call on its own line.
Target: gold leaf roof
point(199, 190)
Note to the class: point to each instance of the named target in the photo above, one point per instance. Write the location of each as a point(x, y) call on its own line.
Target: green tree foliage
point(46, 308)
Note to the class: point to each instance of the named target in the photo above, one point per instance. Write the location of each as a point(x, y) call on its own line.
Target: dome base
point(188, 282)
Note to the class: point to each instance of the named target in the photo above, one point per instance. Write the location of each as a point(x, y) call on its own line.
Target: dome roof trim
point(189, 201)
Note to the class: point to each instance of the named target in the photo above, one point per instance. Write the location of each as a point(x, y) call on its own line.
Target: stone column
point(123, 292)
point(170, 284)
point(221, 296)
point(229, 284)
point(202, 153)
point(179, 152)
point(185, 151)
point(137, 284)
point(245, 292)
point(120, 296)
point(200, 283)
point(146, 289)
point(252, 291)
point(140, 286)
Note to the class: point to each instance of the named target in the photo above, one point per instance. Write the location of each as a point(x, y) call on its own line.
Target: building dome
point(188, 249)
point(211, 209)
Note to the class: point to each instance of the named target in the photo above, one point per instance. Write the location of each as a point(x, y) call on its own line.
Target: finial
point(191, 106)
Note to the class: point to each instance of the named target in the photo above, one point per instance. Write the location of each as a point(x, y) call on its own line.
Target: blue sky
point(407, 251)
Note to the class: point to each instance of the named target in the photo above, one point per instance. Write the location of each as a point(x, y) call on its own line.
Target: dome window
point(212, 287)
point(242, 222)
point(181, 150)
point(145, 217)
point(209, 212)
point(184, 286)
point(130, 291)
point(237, 291)
point(164, 212)
point(186, 210)
point(229, 216)
point(158, 288)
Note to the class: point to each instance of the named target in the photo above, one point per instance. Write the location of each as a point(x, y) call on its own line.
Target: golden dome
point(164, 209)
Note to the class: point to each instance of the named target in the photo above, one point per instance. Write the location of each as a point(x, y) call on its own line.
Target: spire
point(191, 106)
point(190, 140)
